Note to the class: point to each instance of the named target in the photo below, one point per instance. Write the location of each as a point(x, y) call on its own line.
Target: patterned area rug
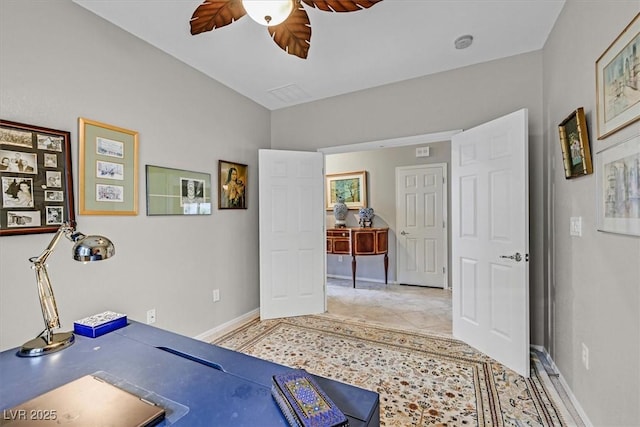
point(422, 380)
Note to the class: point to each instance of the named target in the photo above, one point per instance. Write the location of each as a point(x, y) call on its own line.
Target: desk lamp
point(86, 249)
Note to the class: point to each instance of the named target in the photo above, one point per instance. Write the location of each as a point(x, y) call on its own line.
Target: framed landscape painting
point(351, 186)
point(618, 81)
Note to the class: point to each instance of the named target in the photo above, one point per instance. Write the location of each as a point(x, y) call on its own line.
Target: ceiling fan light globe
point(268, 12)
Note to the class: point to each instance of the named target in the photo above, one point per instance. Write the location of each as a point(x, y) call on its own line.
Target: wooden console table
point(358, 242)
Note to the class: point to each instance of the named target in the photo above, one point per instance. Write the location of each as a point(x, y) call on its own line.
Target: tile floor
point(404, 307)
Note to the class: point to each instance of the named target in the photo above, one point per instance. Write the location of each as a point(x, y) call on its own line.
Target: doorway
point(422, 224)
point(380, 165)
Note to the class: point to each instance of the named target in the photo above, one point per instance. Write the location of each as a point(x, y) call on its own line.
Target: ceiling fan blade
point(215, 14)
point(341, 5)
point(294, 34)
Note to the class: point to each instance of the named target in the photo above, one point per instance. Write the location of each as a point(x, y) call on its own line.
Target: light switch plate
point(575, 226)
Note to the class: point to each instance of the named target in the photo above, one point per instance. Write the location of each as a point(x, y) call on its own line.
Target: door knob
point(516, 257)
point(404, 233)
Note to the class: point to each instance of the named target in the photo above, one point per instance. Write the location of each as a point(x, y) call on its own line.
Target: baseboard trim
point(364, 279)
point(556, 372)
point(220, 330)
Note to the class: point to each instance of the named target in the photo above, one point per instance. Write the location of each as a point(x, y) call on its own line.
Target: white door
point(292, 236)
point(490, 239)
point(421, 227)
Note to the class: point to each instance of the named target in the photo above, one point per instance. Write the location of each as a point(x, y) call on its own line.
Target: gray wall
point(59, 62)
point(595, 280)
point(458, 99)
point(381, 179)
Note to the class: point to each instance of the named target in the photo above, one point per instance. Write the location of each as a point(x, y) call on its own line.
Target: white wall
point(59, 62)
point(595, 284)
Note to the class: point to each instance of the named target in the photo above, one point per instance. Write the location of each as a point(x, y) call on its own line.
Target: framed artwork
point(618, 188)
point(108, 169)
point(351, 186)
point(36, 179)
point(574, 142)
point(232, 185)
point(177, 192)
point(618, 81)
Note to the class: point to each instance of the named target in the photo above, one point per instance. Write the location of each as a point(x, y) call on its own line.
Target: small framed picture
point(574, 143)
point(232, 185)
point(35, 174)
point(54, 215)
point(50, 160)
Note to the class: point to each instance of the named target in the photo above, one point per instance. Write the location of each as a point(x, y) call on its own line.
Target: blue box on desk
point(99, 324)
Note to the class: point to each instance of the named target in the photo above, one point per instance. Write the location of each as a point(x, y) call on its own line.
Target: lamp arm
point(42, 258)
point(45, 291)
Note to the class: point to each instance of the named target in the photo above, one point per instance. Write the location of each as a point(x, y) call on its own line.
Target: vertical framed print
point(108, 169)
point(618, 188)
point(232, 185)
point(36, 179)
point(574, 143)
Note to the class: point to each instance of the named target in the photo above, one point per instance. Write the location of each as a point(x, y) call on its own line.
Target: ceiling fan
point(286, 20)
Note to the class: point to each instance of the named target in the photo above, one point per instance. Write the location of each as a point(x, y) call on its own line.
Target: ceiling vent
point(290, 94)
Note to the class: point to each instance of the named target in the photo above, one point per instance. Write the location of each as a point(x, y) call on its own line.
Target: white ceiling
point(392, 41)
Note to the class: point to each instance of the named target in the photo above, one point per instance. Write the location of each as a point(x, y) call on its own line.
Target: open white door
point(292, 236)
point(421, 228)
point(490, 239)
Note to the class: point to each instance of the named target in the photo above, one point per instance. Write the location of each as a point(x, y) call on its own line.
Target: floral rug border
point(502, 397)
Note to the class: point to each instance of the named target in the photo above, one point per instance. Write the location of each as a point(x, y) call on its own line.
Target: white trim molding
point(220, 330)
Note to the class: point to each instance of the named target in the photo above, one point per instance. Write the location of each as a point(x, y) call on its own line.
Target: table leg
point(386, 268)
point(353, 270)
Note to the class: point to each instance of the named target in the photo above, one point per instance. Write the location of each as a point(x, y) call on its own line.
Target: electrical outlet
point(151, 316)
point(216, 295)
point(585, 356)
point(339, 258)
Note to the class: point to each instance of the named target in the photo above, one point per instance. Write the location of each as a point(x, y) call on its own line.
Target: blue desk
point(219, 387)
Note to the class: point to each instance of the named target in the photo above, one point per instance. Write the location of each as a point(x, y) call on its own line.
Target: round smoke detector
point(463, 42)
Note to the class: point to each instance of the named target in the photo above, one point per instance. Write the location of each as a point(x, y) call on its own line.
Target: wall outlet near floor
point(585, 356)
point(216, 295)
point(339, 258)
point(151, 316)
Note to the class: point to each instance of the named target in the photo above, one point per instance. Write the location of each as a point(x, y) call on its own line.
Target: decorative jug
point(340, 211)
point(366, 217)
